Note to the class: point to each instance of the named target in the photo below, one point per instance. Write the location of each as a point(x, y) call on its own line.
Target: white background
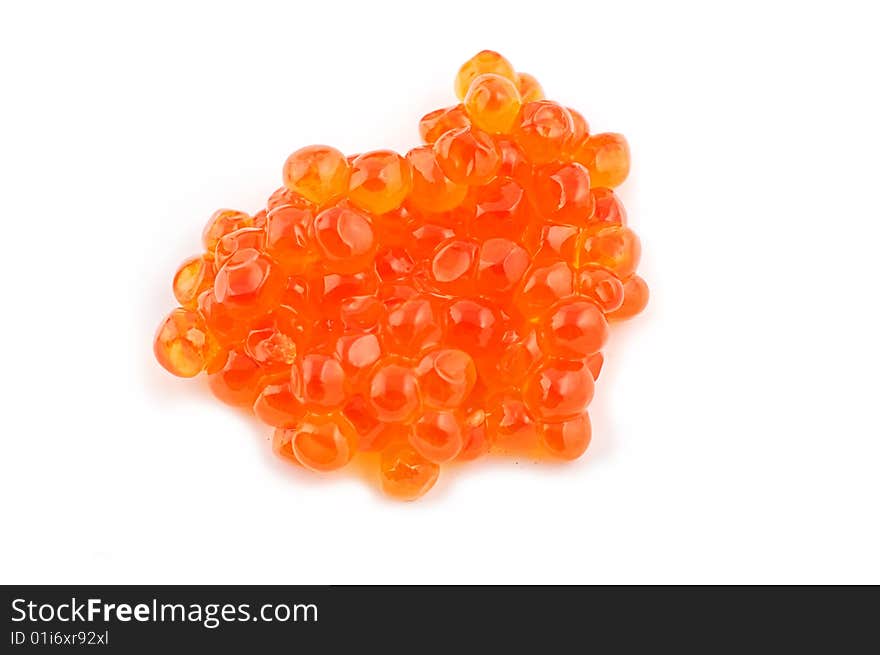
point(736, 431)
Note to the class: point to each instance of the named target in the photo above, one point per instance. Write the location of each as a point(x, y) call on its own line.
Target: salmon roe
point(492, 103)
point(380, 181)
point(529, 88)
point(426, 308)
point(486, 61)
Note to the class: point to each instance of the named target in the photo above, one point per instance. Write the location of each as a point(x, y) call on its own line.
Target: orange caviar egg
point(229, 244)
point(436, 436)
point(345, 239)
point(559, 390)
point(194, 276)
point(453, 266)
point(513, 427)
point(529, 88)
point(270, 347)
point(249, 283)
point(317, 173)
point(500, 266)
point(468, 156)
point(501, 209)
point(552, 242)
point(281, 445)
point(580, 132)
point(518, 360)
point(436, 123)
point(568, 439)
point(600, 286)
point(429, 308)
point(562, 193)
point(492, 103)
point(182, 344)
point(595, 363)
point(635, 299)
point(236, 383)
point(361, 312)
point(542, 130)
point(573, 329)
point(380, 181)
point(473, 326)
point(405, 474)
point(608, 208)
point(394, 393)
point(616, 248)
point(278, 406)
point(543, 286)
point(221, 223)
point(285, 197)
point(289, 238)
point(357, 353)
point(513, 162)
point(446, 377)
point(426, 237)
point(485, 61)
point(227, 328)
point(412, 326)
point(474, 436)
point(319, 382)
point(394, 264)
point(607, 158)
point(432, 191)
point(331, 290)
point(324, 442)
point(373, 434)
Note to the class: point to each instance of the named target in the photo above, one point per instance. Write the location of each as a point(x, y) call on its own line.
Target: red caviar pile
point(431, 307)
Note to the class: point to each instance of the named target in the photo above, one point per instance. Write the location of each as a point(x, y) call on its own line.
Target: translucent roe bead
point(616, 248)
point(607, 158)
point(635, 299)
point(542, 130)
point(562, 193)
point(182, 344)
point(485, 61)
point(380, 181)
point(324, 442)
point(492, 103)
point(529, 88)
point(405, 474)
point(436, 123)
point(221, 223)
point(436, 436)
point(568, 439)
point(573, 329)
point(249, 283)
point(192, 278)
point(290, 238)
point(432, 191)
point(559, 390)
point(345, 239)
point(468, 156)
point(318, 173)
point(394, 393)
point(446, 377)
